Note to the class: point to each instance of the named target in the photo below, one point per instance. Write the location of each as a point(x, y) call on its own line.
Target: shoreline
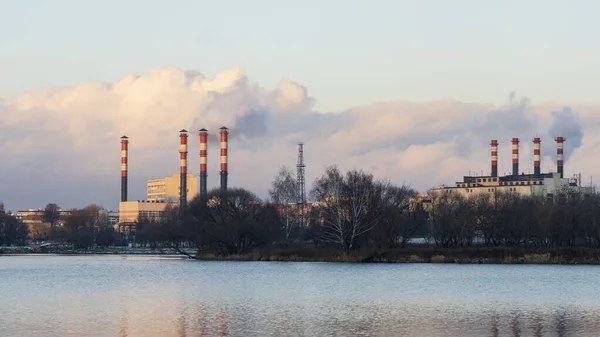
point(478, 255)
point(417, 254)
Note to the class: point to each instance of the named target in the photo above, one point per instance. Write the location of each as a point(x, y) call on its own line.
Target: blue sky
point(346, 53)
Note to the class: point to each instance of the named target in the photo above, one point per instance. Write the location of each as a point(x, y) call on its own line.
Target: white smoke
point(62, 145)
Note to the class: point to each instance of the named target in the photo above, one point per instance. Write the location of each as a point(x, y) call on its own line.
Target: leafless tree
point(348, 205)
point(51, 215)
point(284, 192)
point(230, 223)
point(398, 223)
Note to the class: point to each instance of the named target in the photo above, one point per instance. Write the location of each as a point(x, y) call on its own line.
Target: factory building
point(176, 190)
point(168, 188)
point(538, 183)
point(133, 211)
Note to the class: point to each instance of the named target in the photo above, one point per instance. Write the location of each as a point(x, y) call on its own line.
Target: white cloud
point(62, 144)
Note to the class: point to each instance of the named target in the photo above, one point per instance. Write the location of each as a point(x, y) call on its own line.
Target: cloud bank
point(62, 144)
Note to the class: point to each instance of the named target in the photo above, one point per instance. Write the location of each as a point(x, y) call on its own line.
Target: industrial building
point(168, 188)
point(176, 190)
point(538, 183)
point(133, 211)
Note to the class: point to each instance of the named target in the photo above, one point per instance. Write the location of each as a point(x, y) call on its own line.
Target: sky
point(393, 87)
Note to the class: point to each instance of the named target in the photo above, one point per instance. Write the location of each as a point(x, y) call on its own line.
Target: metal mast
point(300, 180)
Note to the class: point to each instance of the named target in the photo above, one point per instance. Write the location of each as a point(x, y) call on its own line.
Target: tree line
point(354, 209)
point(350, 210)
point(566, 219)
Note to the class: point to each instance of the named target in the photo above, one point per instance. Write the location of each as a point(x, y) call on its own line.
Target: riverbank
point(309, 253)
point(20, 250)
point(471, 255)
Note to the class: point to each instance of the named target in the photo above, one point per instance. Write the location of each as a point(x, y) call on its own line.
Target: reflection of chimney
point(494, 145)
point(124, 149)
point(536, 156)
point(203, 174)
point(223, 133)
point(183, 168)
point(515, 156)
point(560, 155)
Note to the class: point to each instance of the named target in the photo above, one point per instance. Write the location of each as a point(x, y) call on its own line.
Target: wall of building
point(132, 211)
point(167, 189)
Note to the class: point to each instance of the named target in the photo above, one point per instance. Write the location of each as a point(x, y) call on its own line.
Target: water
point(157, 296)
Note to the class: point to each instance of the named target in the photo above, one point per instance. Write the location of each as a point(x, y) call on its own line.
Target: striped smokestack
point(223, 133)
point(560, 142)
point(124, 149)
point(515, 156)
point(536, 156)
point(494, 145)
point(203, 175)
point(183, 168)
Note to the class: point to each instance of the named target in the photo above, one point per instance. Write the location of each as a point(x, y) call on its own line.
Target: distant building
point(113, 218)
point(32, 216)
point(545, 184)
point(133, 211)
point(422, 199)
point(167, 189)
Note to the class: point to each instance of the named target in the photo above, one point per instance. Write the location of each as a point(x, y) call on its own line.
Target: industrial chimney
point(536, 156)
point(183, 168)
point(124, 148)
point(560, 155)
point(515, 156)
point(223, 133)
point(203, 174)
point(494, 145)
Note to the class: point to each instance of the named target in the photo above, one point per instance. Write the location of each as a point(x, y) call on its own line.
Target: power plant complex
point(538, 183)
point(175, 190)
point(180, 188)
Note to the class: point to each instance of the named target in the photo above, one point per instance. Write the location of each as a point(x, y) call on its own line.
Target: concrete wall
point(131, 211)
point(167, 188)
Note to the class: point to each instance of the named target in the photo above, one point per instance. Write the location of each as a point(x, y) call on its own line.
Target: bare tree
point(51, 215)
point(348, 205)
point(229, 223)
point(398, 222)
point(284, 191)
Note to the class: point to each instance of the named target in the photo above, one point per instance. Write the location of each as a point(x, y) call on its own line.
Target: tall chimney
point(494, 145)
point(560, 155)
point(203, 174)
point(223, 133)
point(536, 156)
point(515, 156)
point(183, 168)
point(124, 149)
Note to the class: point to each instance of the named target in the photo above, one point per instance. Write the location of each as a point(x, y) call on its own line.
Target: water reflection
point(370, 320)
point(111, 297)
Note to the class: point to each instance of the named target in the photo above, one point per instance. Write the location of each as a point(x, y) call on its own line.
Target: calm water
point(153, 296)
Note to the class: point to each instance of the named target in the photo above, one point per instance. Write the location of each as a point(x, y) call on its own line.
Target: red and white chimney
point(536, 156)
point(224, 135)
point(183, 168)
point(560, 145)
point(124, 154)
point(494, 145)
point(203, 152)
point(515, 156)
